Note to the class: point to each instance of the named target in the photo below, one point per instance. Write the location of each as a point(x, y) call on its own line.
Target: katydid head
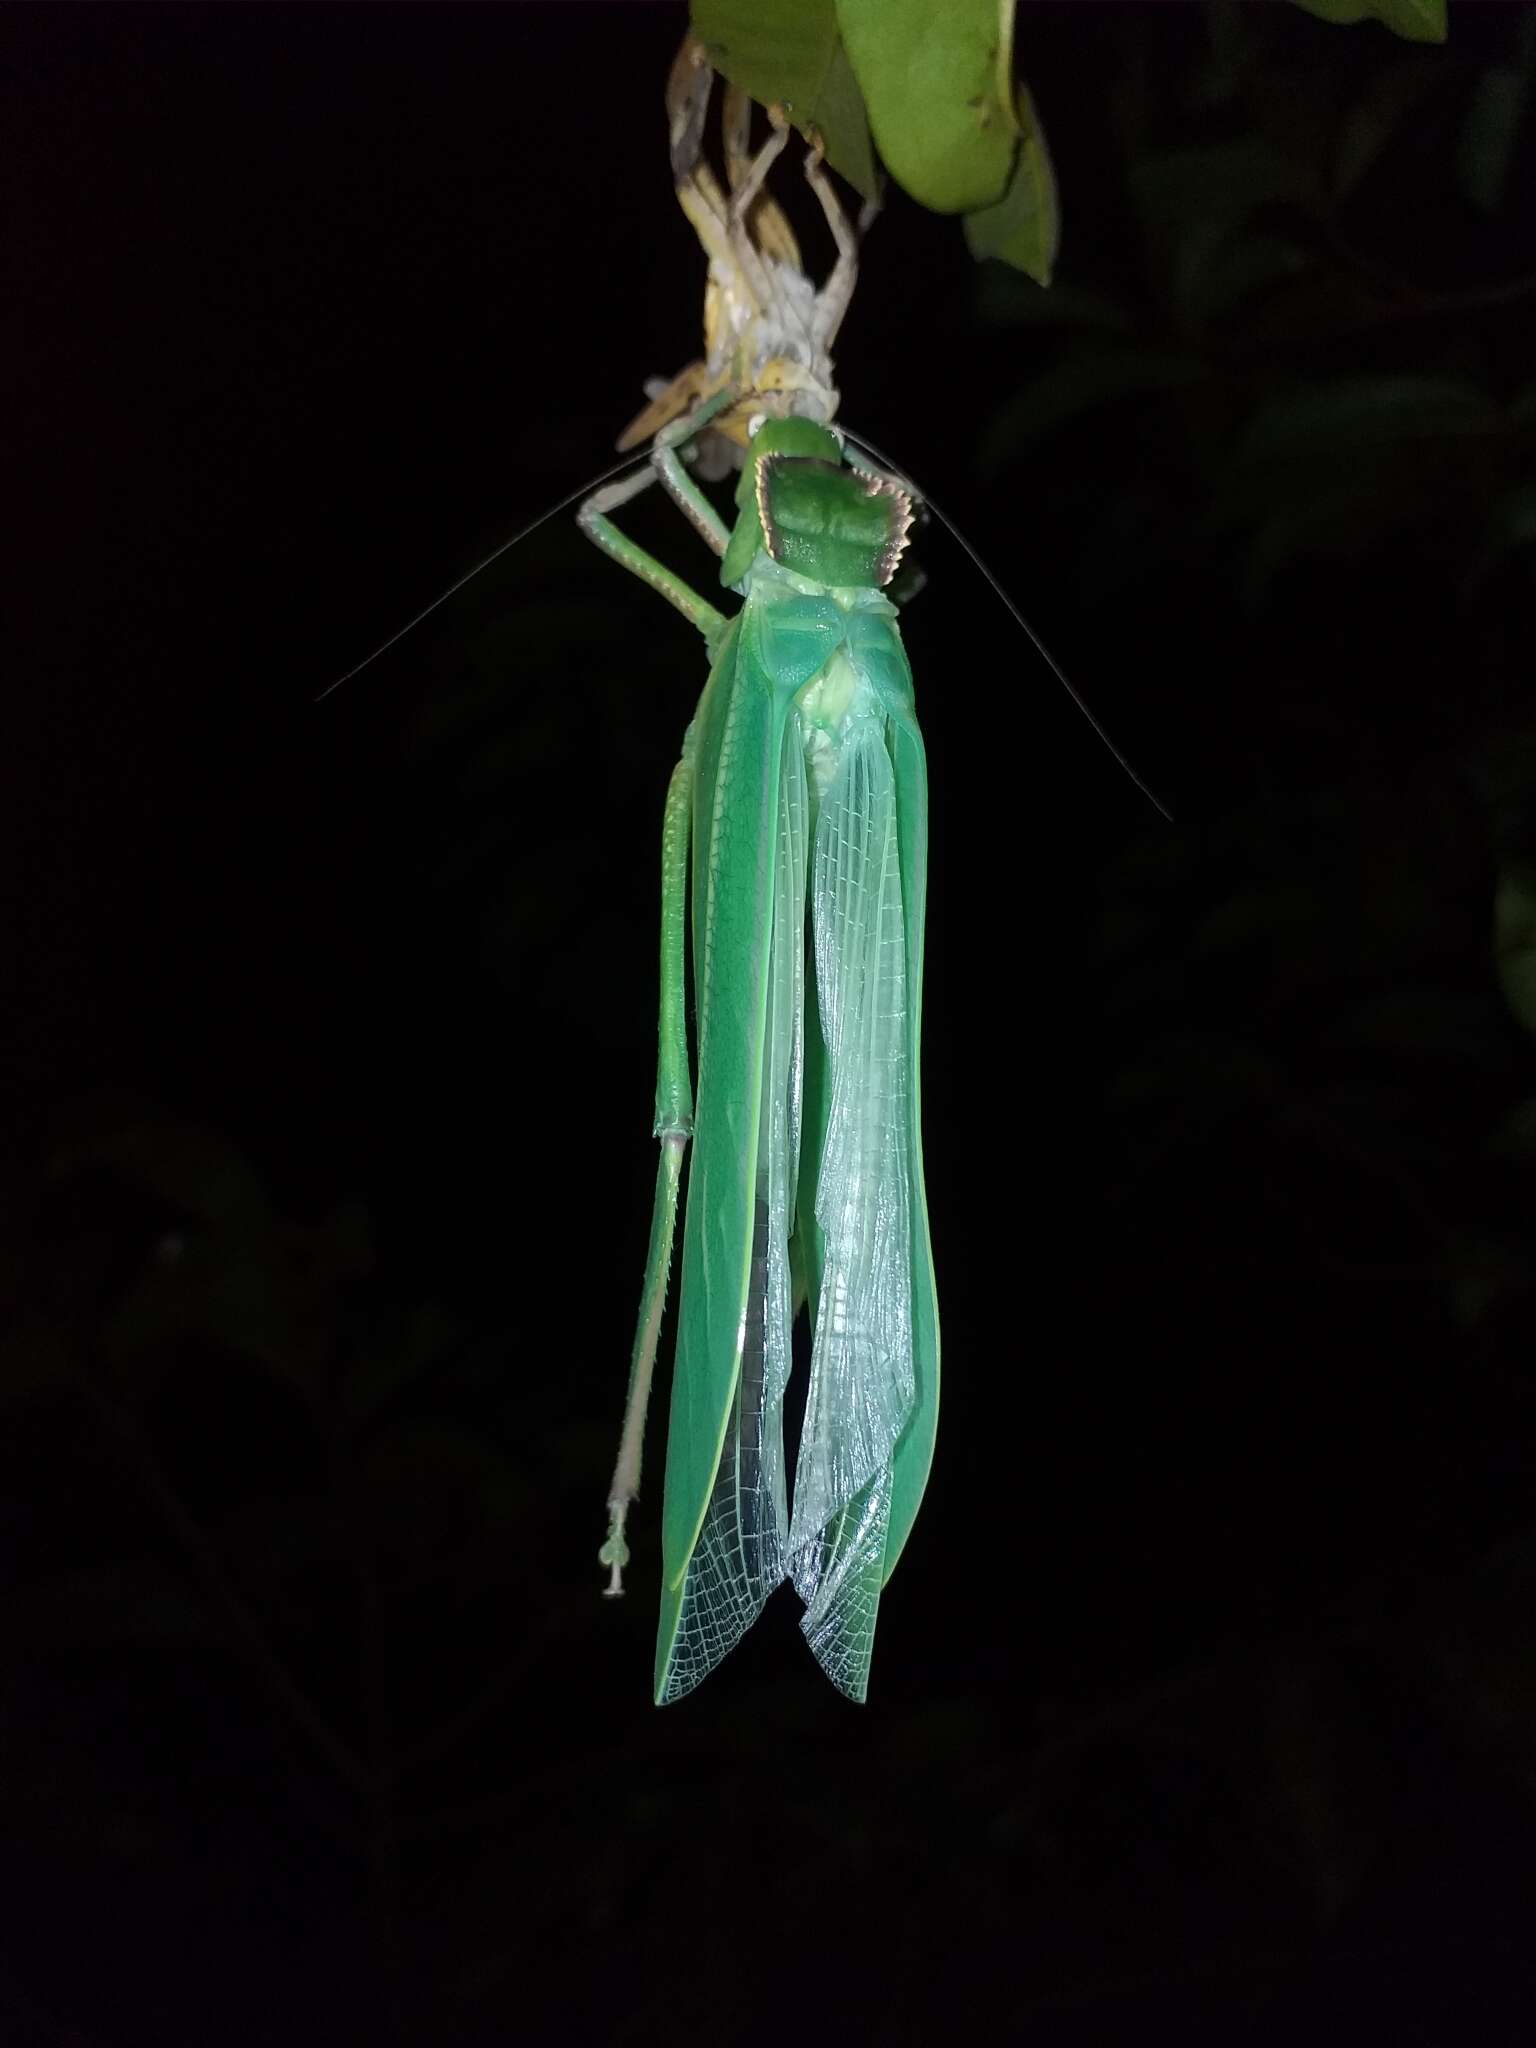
point(800, 503)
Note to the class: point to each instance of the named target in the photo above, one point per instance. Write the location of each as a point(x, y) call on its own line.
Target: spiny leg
point(833, 300)
point(674, 1124)
point(597, 526)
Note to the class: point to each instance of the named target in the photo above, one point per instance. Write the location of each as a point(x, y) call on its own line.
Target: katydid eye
point(754, 423)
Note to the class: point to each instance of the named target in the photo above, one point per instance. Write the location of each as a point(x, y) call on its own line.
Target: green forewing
point(739, 749)
point(737, 742)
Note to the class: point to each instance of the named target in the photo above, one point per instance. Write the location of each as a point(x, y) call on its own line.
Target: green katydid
point(801, 799)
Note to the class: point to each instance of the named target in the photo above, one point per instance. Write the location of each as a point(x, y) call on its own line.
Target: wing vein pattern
point(862, 1381)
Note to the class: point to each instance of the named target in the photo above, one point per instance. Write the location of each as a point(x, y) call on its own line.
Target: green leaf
point(1490, 134)
point(1230, 56)
point(1259, 914)
point(36, 1361)
point(1005, 299)
point(1515, 1137)
point(1355, 412)
point(1202, 191)
point(1218, 277)
point(1484, 1274)
point(1424, 1022)
point(1196, 203)
point(1420, 21)
point(103, 1606)
point(938, 83)
point(1391, 96)
point(792, 51)
point(1511, 530)
point(397, 1353)
point(1090, 379)
point(1514, 941)
point(1024, 227)
point(1208, 1073)
point(1324, 524)
point(187, 1165)
point(432, 1485)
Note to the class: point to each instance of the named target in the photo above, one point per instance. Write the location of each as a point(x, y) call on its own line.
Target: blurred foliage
point(1316, 349)
point(935, 88)
point(1421, 21)
point(358, 1533)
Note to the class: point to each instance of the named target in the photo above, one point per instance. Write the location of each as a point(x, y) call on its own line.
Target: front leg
point(597, 526)
point(678, 484)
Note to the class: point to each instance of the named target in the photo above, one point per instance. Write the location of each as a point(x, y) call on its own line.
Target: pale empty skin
point(769, 331)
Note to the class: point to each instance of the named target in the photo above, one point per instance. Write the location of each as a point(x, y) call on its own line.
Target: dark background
point(1204, 1699)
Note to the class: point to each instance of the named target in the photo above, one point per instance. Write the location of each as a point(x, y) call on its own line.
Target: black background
point(1204, 1698)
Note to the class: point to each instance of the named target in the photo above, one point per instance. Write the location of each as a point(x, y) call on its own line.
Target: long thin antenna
point(584, 490)
point(1040, 647)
